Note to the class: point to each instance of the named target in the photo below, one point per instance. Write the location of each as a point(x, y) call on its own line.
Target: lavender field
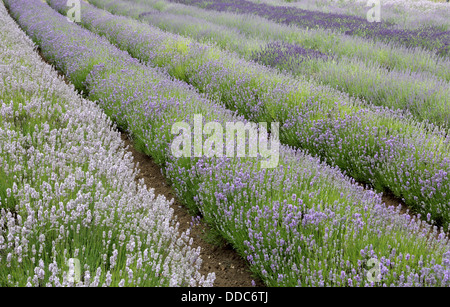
point(342, 113)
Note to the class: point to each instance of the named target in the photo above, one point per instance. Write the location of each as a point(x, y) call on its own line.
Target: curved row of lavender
point(430, 37)
point(387, 55)
point(68, 189)
point(397, 89)
point(408, 14)
point(301, 223)
point(374, 145)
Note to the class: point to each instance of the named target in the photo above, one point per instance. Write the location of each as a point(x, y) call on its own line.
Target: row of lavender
point(408, 14)
point(430, 37)
point(390, 86)
point(301, 223)
point(385, 148)
point(68, 189)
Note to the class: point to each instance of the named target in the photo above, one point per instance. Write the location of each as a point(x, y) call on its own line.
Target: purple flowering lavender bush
point(404, 13)
point(300, 223)
point(287, 56)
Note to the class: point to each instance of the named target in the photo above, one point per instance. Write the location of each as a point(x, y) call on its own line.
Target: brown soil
point(230, 268)
point(390, 199)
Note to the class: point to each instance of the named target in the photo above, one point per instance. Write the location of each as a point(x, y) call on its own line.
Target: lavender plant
point(385, 148)
point(302, 223)
point(68, 188)
point(407, 14)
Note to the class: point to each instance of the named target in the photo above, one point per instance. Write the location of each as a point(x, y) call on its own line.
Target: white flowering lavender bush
point(68, 189)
